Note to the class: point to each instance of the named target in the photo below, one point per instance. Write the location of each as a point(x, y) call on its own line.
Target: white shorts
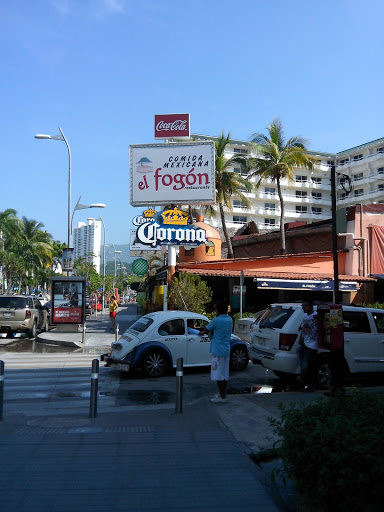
point(220, 368)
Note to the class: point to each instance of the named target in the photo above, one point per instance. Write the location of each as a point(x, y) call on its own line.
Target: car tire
point(323, 373)
point(32, 332)
point(239, 359)
point(155, 363)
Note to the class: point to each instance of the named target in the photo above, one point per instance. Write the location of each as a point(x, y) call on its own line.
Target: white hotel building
point(308, 197)
point(87, 241)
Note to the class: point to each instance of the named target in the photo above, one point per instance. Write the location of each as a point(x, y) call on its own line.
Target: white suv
point(275, 341)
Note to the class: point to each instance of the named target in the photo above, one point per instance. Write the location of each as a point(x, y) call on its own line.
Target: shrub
point(376, 305)
point(334, 451)
point(189, 293)
point(236, 316)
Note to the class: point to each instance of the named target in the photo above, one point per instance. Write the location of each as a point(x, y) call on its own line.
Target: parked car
point(22, 314)
point(275, 341)
point(155, 342)
point(243, 326)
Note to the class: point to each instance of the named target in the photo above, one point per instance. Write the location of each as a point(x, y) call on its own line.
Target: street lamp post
point(80, 206)
point(62, 137)
point(103, 301)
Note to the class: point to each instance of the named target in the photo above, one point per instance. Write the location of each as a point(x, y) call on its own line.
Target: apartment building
point(87, 241)
point(360, 180)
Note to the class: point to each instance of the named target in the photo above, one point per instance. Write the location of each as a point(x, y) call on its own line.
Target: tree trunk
point(283, 249)
point(227, 239)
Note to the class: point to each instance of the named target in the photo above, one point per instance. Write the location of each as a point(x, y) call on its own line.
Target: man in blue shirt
point(220, 349)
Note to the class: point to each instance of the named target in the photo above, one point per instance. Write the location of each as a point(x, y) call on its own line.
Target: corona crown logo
point(175, 216)
point(149, 213)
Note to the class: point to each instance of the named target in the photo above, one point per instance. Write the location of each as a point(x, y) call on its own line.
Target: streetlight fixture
point(62, 137)
point(80, 206)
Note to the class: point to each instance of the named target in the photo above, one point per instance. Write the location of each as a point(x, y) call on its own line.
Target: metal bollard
point(94, 388)
point(179, 385)
point(117, 332)
point(1, 388)
point(83, 334)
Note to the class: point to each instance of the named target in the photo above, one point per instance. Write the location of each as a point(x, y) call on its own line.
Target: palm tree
point(277, 159)
point(228, 184)
point(34, 245)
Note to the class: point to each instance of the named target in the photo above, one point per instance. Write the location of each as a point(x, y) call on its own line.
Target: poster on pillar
point(177, 173)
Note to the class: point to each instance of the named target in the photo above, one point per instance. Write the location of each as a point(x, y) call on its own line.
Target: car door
point(378, 318)
point(360, 342)
point(171, 333)
point(40, 312)
point(198, 345)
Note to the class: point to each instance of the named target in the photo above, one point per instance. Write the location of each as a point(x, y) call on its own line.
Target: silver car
point(22, 314)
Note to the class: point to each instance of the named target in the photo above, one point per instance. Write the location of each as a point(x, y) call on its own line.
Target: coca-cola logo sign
point(171, 125)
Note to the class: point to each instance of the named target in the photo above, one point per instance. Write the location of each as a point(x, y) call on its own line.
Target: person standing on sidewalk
point(308, 347)
point(112, 312)
point(220, 349)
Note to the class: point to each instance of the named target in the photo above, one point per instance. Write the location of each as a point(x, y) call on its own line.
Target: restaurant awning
point(303, 284)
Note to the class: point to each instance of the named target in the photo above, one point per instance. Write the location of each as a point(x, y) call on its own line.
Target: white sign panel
point(136, 245)
point(162, 174)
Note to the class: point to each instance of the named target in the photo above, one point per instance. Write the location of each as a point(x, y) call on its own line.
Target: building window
point(316, 195)
point(342, 195)
point(301, 209)
point(236, 203)
point(301, 193)
point(270, 222)
point(380, 187)
point(358, 177)
point(270, 206)
point(210, 248)
point(239, 171)
point(270, 190)
point(380, 170)
point(189, 252)
point(316, 180)
point(330, 162)
point(241, 151)
point(344, 161)
point(358, 157)
point(316, 210)
point(239, 219)
point(359, 192)
point(380, 150)
point(300, 179)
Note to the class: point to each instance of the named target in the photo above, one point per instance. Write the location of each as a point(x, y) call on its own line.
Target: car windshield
point(275, 318)
point(142, 324)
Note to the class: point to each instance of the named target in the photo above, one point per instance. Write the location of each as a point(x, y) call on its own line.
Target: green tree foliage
point(189, 293)
point(277, 159)
point(229, 184)
point(334, 451)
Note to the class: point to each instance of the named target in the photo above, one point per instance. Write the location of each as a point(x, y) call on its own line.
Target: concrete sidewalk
point(136, 460)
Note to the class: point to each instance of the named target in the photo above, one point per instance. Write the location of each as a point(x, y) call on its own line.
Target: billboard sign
point(171, 227)
point(182, 173)
point(68, 300)
point(172, 126)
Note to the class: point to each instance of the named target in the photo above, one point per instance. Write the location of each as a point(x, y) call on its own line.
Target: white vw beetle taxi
point(155, 342)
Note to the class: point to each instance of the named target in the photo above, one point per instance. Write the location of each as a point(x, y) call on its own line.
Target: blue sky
point(101, 69)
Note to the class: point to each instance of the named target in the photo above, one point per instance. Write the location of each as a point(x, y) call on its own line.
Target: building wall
point(87, 241)
point(308, 197)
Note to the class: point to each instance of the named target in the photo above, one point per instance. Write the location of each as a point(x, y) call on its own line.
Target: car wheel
point(239, 359)
point(33, 331)
point(323, 373)
point(155, 364)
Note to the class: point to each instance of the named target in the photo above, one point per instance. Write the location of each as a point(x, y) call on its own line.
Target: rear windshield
point(13, 302)
point(275, 318)
point(141, 324)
